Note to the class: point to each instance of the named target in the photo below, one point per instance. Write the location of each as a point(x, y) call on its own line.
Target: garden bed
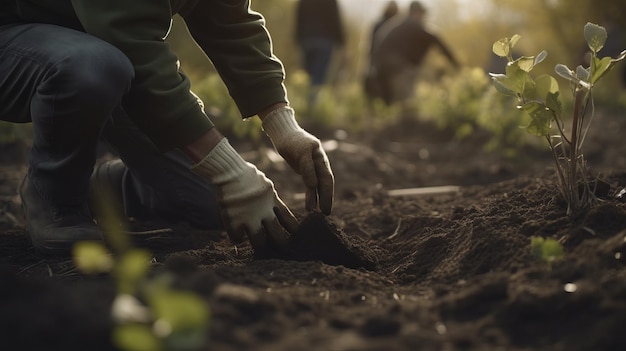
point(436, 270)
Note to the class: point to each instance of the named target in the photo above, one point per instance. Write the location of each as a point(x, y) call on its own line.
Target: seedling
point(148, 313)
point(548, 249)
point(540, 99)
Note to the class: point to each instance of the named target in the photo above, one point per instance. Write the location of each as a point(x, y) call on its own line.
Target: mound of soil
point(447, 269)
point(320, 239)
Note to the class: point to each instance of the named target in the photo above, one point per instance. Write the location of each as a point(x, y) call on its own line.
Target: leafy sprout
point(540, 99)
point(149, 314)
point(547, 249)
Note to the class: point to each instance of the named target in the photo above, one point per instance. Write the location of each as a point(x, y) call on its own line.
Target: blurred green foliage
point(148, 312)
point(462, 101)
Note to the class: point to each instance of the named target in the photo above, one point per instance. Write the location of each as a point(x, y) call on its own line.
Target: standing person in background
point(390, 11)
point(319, 35)
point(399, 49)
point(370, 84)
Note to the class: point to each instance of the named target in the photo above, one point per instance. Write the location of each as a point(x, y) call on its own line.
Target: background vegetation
point(462, 100)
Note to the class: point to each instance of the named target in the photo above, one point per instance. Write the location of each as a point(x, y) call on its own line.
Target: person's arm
point(444, 49)
point(237, 42)
point(239, 46)
point(160, 101)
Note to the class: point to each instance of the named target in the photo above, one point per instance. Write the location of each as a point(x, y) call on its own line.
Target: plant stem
point(575, 205)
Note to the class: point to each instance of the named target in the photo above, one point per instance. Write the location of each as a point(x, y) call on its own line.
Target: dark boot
point(106, 190)
point(55, 229)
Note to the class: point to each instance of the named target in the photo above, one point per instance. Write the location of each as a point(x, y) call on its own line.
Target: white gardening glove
point(304, 154)
point(248, 201)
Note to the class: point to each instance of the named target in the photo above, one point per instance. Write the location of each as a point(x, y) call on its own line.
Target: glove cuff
point(221, 164)
point(279, 123)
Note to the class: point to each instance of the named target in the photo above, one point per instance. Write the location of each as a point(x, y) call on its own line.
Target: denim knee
point(94, 74)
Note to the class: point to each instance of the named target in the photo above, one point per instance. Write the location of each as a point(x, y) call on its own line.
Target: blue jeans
point(317, 55)
point(70, 85)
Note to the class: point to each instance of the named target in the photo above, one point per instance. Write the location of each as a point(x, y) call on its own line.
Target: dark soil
point(439, 271)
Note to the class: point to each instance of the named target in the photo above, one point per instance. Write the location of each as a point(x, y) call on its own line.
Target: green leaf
point(504, 85)
point(92, 257)
point(540, 57)
point(135, 337)
point(595, 36)
point(503, 46)
point(551, 250)
point(535, 245)
point(520, 81)
point(180, 310)
point(541, 118)
point(582, 73)
point(554, 104)
point(599, 67)
point(131, 268)
point(546, 84)
point(525, 63)
point(565, 72)
point(548, 90)
point(547, 249)
point(514, 39)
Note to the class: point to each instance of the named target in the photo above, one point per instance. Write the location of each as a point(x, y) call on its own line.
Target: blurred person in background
point(80, 70)
point(399, 49)
point(320, 36)
point(390, 10)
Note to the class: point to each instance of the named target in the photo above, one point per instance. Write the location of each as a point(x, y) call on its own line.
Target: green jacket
point(160, 101)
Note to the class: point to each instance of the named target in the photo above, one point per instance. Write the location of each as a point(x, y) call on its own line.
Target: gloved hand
point(249, 204)
point(304, 154)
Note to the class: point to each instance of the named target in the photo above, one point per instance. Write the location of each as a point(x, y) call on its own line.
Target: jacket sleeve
point(239, 45)
point(160, 101)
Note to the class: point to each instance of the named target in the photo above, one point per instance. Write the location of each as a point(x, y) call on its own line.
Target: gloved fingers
point(277, 236)
point(310, 199)
point(237, 236)
point(325, 181)
point(310, 175)
point(286, 218)
point(258, 239)
point(307, 170)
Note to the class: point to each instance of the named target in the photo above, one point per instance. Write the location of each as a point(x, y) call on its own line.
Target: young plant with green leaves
point(547, 249)
point(540, 99)
point(149, 314)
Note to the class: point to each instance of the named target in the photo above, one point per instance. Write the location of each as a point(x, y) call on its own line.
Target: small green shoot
point(92, 258)
point(548, 249)
point(540, 99)
point(149, 314)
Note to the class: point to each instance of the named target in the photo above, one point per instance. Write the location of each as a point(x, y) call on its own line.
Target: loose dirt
point(448, 270)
